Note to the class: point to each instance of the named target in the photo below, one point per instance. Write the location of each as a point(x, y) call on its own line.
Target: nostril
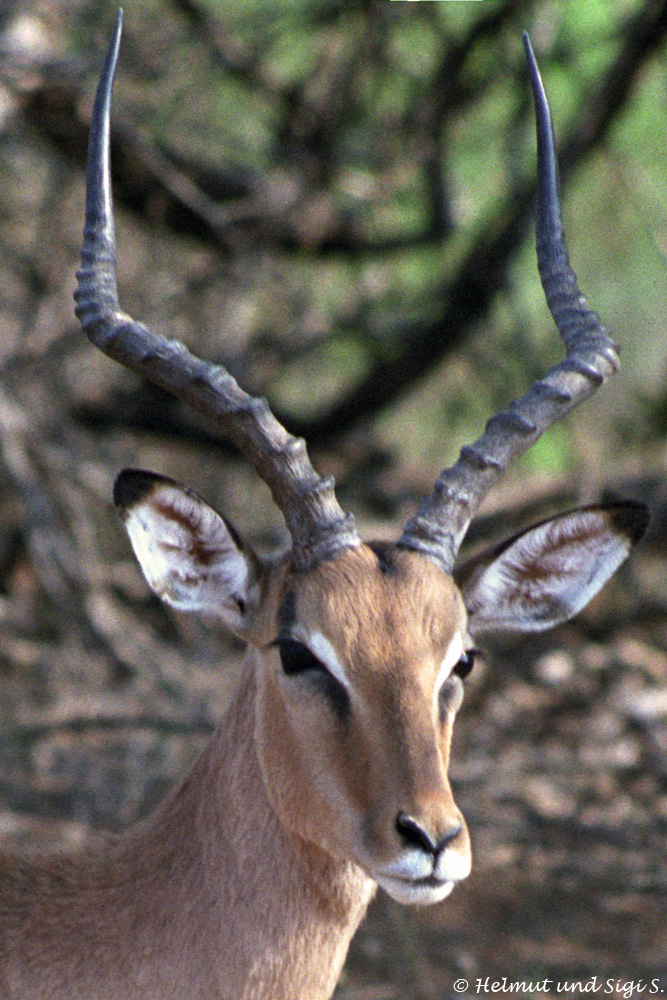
point(414, 834)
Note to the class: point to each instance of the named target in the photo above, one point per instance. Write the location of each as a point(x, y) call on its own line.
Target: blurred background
point(335, 200)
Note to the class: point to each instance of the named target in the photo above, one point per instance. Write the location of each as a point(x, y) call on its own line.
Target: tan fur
point(250, 880)
point(247, 883)
point(181, 906)
point(391, 633)
point(329, 772)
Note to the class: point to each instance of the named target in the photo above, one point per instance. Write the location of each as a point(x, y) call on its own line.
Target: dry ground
point(560, 766)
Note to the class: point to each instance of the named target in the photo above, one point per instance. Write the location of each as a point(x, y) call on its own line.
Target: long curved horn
point(440, 524)
point(317, 525)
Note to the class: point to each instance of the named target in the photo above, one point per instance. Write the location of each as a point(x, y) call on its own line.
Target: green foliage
point(374, 148)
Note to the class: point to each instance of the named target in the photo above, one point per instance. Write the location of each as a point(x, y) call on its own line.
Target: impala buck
point(328, 775)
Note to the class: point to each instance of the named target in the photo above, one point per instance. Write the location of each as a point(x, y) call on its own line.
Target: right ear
point(548, 573)
point(190, 555)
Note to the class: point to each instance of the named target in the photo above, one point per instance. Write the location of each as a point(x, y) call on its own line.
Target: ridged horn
point(439, 525)
point(318, 526)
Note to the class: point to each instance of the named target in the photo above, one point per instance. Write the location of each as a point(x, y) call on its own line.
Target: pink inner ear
point(546, 574)
point(564, 547)
point(189, 555)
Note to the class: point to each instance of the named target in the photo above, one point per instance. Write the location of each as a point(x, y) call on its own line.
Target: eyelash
point(297, 658)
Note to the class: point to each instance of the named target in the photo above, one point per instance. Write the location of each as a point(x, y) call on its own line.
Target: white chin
point(420, 892)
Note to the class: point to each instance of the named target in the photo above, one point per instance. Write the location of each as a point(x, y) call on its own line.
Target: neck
point(210, 897)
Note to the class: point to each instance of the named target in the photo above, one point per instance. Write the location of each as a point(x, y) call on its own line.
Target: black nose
point(415, 835)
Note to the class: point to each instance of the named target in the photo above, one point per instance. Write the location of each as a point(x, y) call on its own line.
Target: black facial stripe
point(287, 612)
point(297, 659)
point(449, 697)
point(336, 695)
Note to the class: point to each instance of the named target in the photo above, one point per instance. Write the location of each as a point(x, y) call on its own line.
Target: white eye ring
point(324, 651)
point(449, 660)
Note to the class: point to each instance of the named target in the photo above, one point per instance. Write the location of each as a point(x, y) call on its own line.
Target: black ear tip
point(631, 518)
point(133, 486)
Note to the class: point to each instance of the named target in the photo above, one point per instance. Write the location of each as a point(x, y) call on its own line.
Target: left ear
point(548, 573)
point(190, 555)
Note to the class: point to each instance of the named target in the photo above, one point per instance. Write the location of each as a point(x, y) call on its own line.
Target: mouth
point(416, 892)
point(411, 878)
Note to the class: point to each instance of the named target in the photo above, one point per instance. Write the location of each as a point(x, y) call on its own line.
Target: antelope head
point(359, 650)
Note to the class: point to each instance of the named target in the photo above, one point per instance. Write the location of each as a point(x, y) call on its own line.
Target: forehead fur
point(380, 604)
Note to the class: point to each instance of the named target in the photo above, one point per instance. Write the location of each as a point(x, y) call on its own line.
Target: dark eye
point(465, 664)
point(297, 658)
